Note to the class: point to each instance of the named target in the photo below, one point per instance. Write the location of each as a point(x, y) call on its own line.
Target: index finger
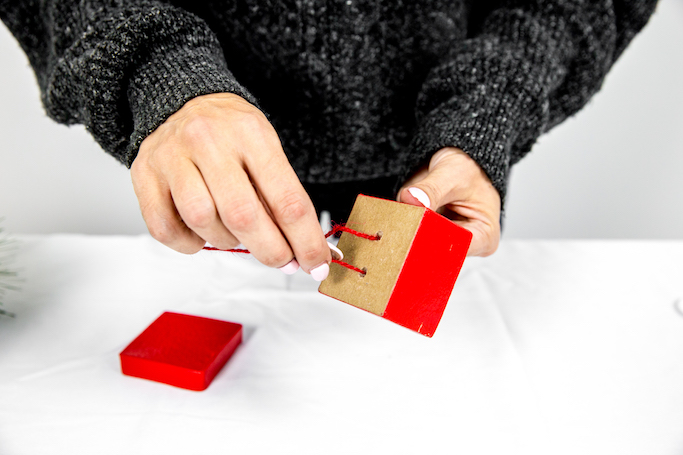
point(292, 211)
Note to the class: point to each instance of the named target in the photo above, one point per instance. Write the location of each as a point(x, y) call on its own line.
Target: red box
point(181, 350)
point(410, 270)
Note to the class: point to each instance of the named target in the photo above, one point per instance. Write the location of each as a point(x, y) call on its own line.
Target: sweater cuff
point(484, 125)
point(491, 95)
point(173, 74)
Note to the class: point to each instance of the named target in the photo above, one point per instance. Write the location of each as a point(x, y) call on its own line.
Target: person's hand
point(454, 185)
point(215, 172)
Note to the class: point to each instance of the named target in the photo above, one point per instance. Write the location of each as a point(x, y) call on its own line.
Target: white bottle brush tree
point(7, 276)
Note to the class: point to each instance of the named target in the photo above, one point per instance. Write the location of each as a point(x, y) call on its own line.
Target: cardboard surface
point(382, 258)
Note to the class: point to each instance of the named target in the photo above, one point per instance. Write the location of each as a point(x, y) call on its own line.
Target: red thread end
point(337, 228)
point(341, 228)
point(234, 250)
point(350, 267)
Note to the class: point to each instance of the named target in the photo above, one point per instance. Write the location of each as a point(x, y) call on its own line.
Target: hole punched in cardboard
point(410, 269)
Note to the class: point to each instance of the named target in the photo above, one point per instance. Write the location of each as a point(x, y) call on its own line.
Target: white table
point(545, 348)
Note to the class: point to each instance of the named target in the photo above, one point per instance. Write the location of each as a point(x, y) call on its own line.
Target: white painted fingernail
point(420, 196)
point(290, 268)
point(320, 273)
point(336, 252)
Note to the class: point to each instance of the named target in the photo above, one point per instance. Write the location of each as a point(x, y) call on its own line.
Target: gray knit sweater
point(361, 92)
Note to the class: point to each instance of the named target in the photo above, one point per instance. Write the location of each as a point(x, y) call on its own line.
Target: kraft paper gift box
point(410, 270)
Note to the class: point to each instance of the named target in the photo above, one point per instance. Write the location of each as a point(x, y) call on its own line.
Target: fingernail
point(336, 252)
point(320, 273)
point(420, 196)
point(290, 268)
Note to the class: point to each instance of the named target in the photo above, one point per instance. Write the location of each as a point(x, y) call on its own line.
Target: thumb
point(431, 190)
point(414, 195)
point(458, 188)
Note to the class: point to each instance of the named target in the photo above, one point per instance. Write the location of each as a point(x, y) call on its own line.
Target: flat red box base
point(181, 350)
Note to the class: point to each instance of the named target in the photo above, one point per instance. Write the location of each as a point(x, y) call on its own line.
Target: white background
point(613, 171)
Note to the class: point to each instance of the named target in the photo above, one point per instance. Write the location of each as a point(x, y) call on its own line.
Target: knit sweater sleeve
point(529, 66)
point(118, 67)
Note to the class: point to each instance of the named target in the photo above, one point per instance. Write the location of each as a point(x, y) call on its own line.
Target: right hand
point(215, 172)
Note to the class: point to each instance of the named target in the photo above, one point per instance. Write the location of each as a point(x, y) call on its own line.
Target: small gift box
point(410, 258)
point(181, 350)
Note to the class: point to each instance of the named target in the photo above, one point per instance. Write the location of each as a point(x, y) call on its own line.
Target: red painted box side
point(163, 372)
point(223, 357)
point(181, 350)
point(428, 275)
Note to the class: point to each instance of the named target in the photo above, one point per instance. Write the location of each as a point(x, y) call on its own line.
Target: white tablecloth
point(546, 347)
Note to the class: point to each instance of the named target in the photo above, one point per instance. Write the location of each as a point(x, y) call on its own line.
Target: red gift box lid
point(181, 350)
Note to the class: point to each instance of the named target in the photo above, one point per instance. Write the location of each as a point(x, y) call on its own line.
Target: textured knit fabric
point(358, 90)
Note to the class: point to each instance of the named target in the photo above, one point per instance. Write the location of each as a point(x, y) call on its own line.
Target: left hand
point(455, 186)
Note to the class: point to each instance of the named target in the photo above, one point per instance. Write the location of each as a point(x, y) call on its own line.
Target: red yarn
point(337, 228)
point(340, 227)
point(234, 250)
point(349, 266)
